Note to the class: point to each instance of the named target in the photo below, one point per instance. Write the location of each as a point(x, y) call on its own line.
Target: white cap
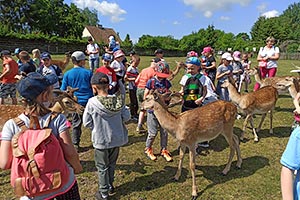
point(227, 56)
point(78, 55)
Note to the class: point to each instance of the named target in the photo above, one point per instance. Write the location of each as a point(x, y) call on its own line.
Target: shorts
point(8, 89)
point(140, 95)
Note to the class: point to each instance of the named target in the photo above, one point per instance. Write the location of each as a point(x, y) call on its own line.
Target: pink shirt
point(144, 76)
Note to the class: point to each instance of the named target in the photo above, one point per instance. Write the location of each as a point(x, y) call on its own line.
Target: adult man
point(92, 50)
point(78, 77)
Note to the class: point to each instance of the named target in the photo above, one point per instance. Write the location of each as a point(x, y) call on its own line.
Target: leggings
point(264, 72)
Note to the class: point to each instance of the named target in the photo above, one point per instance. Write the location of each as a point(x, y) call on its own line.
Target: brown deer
point(64, 102)
point(257, 102)
point(290, 84)
point(197, 125)
point(62, 64)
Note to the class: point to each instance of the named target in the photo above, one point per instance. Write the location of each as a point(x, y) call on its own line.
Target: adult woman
point(36, 90)
point(267, 60)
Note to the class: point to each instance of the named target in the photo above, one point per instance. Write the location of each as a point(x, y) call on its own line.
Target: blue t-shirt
point(291, 159)
point(79, 77)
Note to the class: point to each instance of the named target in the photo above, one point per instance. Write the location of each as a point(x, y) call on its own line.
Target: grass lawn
point(138, 178)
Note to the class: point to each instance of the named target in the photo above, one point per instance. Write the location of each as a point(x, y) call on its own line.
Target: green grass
point(138, 178)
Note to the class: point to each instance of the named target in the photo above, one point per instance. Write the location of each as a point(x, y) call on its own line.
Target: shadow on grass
point(135, 139)
point(284, 109)
point(150, 182)
point(138, 166)
point(249, 167)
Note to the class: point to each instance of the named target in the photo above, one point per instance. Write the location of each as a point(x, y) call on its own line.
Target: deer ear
point(155, 95)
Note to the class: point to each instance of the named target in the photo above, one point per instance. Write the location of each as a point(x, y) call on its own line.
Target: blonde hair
point(36, 53)
point(270, 38)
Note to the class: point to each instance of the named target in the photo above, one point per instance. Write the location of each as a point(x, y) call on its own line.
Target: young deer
point(257, 102)
point(64, 102)
point(62, 64)
point(290, 84)
point(197, 125)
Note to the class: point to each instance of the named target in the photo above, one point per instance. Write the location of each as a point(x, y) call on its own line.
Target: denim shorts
point(8, 89)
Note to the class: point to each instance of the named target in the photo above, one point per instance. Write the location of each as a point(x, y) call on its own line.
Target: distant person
point(7, 77)
point(78, 77)
point(247, 66)
point(112, 43)
point(27, 66)
point(93, 50)
point(267, 60)
point(238, 68)
point(209, 65)
point(36, 57)
point(118, 65)
point(48, 68)
point(159, 53)
point(290, 160)
point(16, 53)
point(223, 72)
point(105, 114)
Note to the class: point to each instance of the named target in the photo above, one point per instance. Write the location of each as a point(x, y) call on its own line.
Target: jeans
point(152, 124)
point(76, 128)
point(105, 161)
point(94, 63)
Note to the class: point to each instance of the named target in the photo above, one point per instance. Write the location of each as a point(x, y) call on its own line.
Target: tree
point(127, 44)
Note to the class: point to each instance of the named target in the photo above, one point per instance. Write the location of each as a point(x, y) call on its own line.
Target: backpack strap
point(15, 148)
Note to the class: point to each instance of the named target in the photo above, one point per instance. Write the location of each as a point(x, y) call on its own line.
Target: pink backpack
point(38, 165)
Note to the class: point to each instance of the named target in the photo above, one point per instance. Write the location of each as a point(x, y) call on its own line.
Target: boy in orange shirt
point(7, 77)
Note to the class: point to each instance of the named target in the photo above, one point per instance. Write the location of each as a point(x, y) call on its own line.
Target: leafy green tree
point(127, 44)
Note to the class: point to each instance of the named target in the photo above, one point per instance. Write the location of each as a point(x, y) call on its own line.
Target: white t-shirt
point(121, 70)
point(265, 51)
point(91, 48)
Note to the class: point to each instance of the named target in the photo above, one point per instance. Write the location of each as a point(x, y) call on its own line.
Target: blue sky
point(180, 17)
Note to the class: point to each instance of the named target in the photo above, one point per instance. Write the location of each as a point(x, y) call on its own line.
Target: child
point(209, 64)
point(36, 90)
point(290, 160)
point(223, 71)
point(158, 82)
point(36, 57)
point(105, 114)
point(238, 69)
point(27, 64)
point(247, 65)
point(48, 68)
point(7, 78)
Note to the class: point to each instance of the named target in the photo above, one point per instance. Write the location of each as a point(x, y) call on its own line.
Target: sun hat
point(45, 55)
point(99, 78)
point(34, 84)
point(118, 53)
point(206, 50)
point(236, 55)
point(78, 56)
point(193, 60)
point(107, 57)
point(227, 56)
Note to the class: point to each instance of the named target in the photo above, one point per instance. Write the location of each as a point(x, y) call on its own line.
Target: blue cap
point(107, 57)
point(34, 84)
point(45, 55)
point(193, 60)
point(17, 51)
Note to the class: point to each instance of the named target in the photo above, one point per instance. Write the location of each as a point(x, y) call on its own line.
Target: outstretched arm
point(287, 183)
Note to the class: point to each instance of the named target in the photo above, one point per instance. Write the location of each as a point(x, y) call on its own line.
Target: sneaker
point(204, 144)
point(166, 154)
point(101, 196)
point(149, 154)
point(111, 190)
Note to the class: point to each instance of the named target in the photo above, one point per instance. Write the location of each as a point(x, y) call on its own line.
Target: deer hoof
point(255, 139)
point(194, 197)
point(174, 179)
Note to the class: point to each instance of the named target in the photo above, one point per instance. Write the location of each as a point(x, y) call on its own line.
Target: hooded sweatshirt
point(106, 117)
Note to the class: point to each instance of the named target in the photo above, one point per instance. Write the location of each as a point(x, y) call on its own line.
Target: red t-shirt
point(144, 76)
point(14, 70)
point(109, 72)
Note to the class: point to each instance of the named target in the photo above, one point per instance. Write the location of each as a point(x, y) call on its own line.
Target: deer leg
point(181, 156)
point(261, 122)
point(271, 122)
point(245, 126)
point(253, 129)
point(238, 151)
point(228, 132)
point(192, 168)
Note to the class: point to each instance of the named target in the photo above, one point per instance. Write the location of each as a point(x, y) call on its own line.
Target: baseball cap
point(236, 55)
point(206, 50)
point(132, 52)
point(17, 51)
point(45, 55)
point(99, 78)
point(157, 51)
point(118, 53)
point(34, 84)
point(162, 75)
point(4, 52)
point(107, 57)
point(78, 56)
point(227, 56)
point(193, 60)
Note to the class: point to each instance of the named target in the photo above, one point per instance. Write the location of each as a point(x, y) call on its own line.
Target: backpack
point(192, 90)
point(38, 164)
point(58, 72)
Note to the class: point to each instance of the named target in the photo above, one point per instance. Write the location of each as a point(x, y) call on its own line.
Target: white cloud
point(209, 7)
point(176, 23)
point(224, 18)
point(270, 14)
point(262, 7)
point(111, 10)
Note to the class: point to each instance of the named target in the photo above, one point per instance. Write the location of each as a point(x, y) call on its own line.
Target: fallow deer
point(64, 102)
point(62, 64)
point(197, 125)
point(291, 84)
point(257, 102)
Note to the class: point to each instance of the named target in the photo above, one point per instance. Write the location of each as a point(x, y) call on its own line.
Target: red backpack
point(38, 165)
